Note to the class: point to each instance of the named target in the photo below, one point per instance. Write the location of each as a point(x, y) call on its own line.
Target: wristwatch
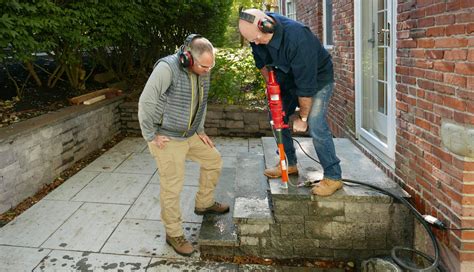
point(304, 119)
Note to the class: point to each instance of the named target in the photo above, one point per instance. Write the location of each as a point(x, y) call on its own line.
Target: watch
point(304, 119)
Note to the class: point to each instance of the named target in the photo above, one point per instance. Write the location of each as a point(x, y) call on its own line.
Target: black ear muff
point(265, 25)
point(184, 54)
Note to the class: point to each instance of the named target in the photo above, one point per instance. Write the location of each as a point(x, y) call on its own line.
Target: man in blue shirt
point(305, 73)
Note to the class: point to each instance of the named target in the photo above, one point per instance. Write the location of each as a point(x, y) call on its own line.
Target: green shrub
point(235, 80)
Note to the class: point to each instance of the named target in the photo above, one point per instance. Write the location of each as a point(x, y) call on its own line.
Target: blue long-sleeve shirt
point(303, 66)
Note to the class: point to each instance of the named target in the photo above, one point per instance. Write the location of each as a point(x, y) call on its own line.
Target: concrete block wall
point(34, 152)
point(324, 229)
point(221, 120)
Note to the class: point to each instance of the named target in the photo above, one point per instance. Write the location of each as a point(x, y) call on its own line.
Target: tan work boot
point(216, 208)
point(180, 245)
point(275, 172)
point(326, 187)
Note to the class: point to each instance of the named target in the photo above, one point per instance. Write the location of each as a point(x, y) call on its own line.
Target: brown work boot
point(216, 208)
point(327, 187)
point(275, 172)
point(180, 245)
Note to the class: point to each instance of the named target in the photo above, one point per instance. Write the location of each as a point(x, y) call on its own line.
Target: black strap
point(247, 17)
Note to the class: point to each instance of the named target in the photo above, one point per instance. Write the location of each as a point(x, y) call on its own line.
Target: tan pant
point(171, 161)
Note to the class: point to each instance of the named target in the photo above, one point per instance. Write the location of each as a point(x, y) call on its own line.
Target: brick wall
point(435, 108)
point(435, 83)
point(342, 108)
point(310, 13)
point(34, 152)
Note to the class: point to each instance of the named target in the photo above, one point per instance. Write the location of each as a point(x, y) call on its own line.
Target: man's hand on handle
point(299, 125)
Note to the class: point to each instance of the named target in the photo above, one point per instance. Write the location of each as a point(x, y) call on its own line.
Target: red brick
point(443, 112)
point(467, 3)
point(426, 22)
point(434, 97)
point(453, 5)
point(454, 79)
point(442, 88)
point(401, 35)
point(454, 103)
point(425, 43)
point(443, 155)
point(470, 83)
point(433, 160)
point(402, 106)
point(445, 20)
point(435, 31)
point(468, 177)
point(423, 64)
point(423, 3)
point(470, 106)
point(408, 80)
point(434, 54)
point(470, 55)
point(424, 104)
point(417, 53)
point(464, 118)
point(444, 66)
point(467, 235)
point(409, 24)
point(435, 9)
point(417, 72)
point(466, 256)
point(407, 44)
point(422, 123)
point(424, 84)
point(465, 68)
point(451, 42)
point(470, 28)
point(402, 70)
point(465, 17)
point(455, 30)
point(434, 75)
point(455, 54)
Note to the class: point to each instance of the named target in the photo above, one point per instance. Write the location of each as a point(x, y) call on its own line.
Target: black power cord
point(422, 219)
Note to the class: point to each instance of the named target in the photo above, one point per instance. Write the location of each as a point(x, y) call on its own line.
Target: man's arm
point(148, 112)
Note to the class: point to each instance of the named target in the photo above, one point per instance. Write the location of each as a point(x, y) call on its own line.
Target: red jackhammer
point(276, 109)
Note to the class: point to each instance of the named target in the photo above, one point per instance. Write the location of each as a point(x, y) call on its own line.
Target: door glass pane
point(382, 75)
point(382, 98)
point(374, 68)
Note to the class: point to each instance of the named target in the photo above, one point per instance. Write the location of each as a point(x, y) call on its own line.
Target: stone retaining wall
point(332, 229)
point(221, 120)
point(34, 152)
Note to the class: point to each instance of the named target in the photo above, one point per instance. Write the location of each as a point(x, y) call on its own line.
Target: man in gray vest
point(171, 111)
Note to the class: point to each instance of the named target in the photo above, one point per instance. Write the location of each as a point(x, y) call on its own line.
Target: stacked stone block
point(221, 120)
point(337, 229)
point(34, 152)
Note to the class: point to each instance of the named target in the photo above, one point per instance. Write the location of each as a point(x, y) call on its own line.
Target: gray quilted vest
point(176, 103)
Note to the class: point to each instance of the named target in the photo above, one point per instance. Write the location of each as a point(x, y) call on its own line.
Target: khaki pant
point(171, 161)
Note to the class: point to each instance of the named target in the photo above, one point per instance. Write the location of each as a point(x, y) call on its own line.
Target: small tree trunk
point(31, 70)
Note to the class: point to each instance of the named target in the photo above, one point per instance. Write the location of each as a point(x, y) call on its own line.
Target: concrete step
point(353, 224)
point(246, 189)
point(218, 231)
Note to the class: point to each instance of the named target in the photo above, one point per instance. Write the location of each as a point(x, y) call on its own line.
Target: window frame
point(325, 27)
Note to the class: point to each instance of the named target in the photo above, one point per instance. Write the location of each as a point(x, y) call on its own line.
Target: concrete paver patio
point(107, 218)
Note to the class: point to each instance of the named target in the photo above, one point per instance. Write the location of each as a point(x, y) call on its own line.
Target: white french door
point(375, 76)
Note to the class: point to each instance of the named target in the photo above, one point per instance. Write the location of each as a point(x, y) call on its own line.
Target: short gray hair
point(199, 46)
